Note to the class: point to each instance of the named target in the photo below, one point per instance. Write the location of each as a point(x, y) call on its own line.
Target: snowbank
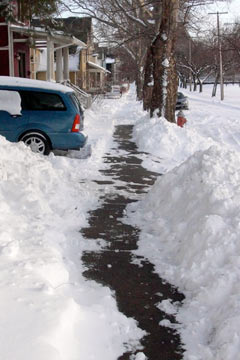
point(190, 231)
point(170, 144)
point(190, 220)
point(48, 309)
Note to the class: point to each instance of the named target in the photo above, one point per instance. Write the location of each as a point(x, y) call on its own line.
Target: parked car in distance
point(182, 102)
point(50, 115)
point(114, 93)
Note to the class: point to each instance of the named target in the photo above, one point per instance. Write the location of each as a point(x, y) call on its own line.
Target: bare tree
point(127, 24)
point(146, 30)
point(161, 65)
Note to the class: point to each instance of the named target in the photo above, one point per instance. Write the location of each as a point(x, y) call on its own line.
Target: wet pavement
point(138, 289)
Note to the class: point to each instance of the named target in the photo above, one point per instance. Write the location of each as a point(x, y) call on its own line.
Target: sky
point(231, 7)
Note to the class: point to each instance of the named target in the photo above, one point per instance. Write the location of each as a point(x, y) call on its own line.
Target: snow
point(190, 220)
point(42, 60)
point(74, 60)
point(12, 103)
point(23, 82)
point(48, 309)
point(165, 63)
point(97, 66)
point(109, 60)
point(164, 37)
point(189, 224)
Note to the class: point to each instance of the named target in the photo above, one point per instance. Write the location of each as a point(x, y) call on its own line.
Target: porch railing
point(84, 98)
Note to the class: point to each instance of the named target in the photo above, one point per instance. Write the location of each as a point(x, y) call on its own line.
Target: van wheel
point(37, 142)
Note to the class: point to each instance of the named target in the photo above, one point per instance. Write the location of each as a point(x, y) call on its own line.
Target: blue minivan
point(44, 115)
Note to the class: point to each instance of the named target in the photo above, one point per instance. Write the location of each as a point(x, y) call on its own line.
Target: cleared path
point(138, 289)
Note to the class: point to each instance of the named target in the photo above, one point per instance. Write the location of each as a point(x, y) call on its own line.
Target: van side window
point(43, 101)
point(10, 101)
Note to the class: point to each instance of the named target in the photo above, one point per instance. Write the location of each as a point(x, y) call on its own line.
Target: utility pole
point(220, 52)
point(190, 64)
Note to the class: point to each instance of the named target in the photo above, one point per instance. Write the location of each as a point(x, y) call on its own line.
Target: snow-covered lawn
point(189, 225)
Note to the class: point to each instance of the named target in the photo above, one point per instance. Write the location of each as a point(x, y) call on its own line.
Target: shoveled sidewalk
point(137, 287)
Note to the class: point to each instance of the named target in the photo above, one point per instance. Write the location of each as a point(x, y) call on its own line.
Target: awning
point(43, 34)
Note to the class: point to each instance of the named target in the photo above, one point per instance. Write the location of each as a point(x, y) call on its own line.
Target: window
point(10, 101)
point(76, 102)
point(33, 100)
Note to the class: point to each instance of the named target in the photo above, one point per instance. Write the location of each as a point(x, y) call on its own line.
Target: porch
point(56, 43)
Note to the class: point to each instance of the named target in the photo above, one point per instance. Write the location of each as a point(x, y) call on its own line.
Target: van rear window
point(76, 102)
point(33, 100)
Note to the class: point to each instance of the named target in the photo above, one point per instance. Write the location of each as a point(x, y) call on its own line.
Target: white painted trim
point(50, 74)
point(4, 48)
point(19, 40)
point(59, 66)
point(66, 63)
point(10, 50)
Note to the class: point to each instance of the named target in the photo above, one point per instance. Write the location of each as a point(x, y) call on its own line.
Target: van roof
point(23, 82)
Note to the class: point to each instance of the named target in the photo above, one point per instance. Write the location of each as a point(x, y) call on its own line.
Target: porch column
point(59, 65)
point(50, 59)
point(10, 51)
point(65, 63)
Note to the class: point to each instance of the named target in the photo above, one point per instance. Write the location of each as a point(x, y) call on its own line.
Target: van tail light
point(76, 124)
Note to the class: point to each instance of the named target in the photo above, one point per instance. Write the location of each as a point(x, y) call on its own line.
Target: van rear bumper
point(69, 141)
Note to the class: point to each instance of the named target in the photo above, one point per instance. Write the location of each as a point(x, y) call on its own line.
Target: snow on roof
point(47, 85)
point(42, 65)
point(57, 36)
point(73, 60)
point(97, 66)
point(110, 60)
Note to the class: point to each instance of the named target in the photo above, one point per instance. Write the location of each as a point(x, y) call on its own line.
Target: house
point(19, 44)
point(110, 62)
point(14, 58)
point(86, 71)
point(92, 75)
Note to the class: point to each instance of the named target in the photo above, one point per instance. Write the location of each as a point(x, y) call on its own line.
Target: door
point(22, 64)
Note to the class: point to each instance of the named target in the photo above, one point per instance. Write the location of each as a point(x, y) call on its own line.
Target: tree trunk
point(139, 84)
point(148, 80)
point(214, 91)
point(200, 84)
point(164, 67)
point(194, 83)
